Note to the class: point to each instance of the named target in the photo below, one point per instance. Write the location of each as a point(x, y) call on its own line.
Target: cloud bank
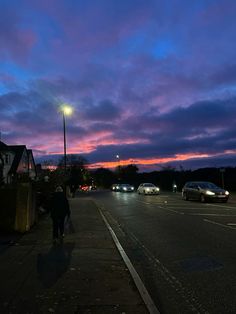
point(149, 80)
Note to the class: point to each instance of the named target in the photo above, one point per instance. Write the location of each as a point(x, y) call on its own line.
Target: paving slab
point(85, 274)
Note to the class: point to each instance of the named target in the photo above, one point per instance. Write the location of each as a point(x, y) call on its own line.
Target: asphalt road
point(184, 251)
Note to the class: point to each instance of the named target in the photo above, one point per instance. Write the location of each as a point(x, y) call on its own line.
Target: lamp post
point(222, 171)
point(66, 111)
point(118, 166)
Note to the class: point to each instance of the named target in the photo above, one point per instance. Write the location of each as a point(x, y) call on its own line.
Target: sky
point(152, 81)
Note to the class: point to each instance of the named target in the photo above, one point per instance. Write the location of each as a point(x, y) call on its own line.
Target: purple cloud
point(146, 79)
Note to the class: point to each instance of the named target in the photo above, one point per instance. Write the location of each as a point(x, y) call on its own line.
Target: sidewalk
point(86, 274)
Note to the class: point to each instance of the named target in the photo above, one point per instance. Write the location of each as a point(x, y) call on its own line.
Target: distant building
point(16, 161)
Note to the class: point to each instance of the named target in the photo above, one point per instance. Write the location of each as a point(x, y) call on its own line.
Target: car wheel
point(202, 198)
point(185, 197)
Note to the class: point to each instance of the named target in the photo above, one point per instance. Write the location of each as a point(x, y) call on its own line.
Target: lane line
point(217, 215)
point(221, 206)
point(142, 202)
point(139, 284)
point(185, 293)
point(218, 224)
point(231, 224)
point(172, 210)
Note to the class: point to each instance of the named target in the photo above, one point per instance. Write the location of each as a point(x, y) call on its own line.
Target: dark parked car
point(204, 191)
point(115, 187)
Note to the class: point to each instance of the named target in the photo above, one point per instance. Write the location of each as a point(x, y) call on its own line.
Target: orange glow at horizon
point(156, 161)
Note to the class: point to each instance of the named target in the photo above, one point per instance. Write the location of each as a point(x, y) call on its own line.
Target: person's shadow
point(53, 264)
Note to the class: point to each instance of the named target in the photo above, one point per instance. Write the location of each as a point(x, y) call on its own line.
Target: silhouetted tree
point(77, 172)
point(128, 174)
point(104, 177)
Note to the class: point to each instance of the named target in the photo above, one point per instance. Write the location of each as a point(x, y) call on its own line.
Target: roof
point(18, 150)
point(3, 146)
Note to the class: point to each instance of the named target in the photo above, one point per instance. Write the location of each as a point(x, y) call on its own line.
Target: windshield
point(207, 185)
point(149, 185)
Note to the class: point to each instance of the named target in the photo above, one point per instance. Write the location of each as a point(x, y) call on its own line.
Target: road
point(184, 251)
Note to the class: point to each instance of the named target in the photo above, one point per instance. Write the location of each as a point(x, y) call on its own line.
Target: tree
point(129, 173)
point(104, 177)
point(77, 172)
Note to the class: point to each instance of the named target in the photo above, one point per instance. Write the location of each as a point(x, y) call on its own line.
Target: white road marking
point(219, 224)
point(139, 284)
point(172, 280)
point(222, 206)
point(206, 214)
point(231, 224)
point(172, 210)
point(191, 214)
point(143, 202)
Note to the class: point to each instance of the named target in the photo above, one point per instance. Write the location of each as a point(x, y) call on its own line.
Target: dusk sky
point(151, 80)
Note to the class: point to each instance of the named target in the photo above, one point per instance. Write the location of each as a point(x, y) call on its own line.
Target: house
point(16, 161)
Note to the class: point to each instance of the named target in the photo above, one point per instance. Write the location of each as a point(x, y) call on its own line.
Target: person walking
point(59, 209)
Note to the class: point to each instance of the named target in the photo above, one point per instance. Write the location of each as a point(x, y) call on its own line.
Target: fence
point(18, 207)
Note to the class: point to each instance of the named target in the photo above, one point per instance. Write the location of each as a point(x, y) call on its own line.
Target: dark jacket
point(59, 206)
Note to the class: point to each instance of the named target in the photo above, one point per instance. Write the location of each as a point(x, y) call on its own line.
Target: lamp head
point(66, 110)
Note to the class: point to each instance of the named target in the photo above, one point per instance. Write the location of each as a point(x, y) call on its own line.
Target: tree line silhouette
point(78, 172)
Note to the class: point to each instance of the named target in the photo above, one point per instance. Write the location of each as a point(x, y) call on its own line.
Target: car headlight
point(157, 189)
point(147, 189)
point(125, 189)
point(132, 188)
point(226, 193)
point(210, 193)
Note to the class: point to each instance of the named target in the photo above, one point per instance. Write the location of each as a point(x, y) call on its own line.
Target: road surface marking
point(144, 202)
point(231, 224)
point(222, 206)
point(218, 224)
point(217, 215)
point(139, 284)
point(186, 294)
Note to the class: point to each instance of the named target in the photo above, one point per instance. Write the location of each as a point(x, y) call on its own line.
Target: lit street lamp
point(118, 166)
point(66, 111)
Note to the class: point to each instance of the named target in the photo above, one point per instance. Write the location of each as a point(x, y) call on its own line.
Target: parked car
point(204, 191)
point(115, 187)
point(148, 188)
point(126, 188)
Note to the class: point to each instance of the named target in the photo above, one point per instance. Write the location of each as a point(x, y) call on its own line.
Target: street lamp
point(66, 111)
point(118, 166)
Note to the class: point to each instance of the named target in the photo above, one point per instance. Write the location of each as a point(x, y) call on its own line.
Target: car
point(126, 188)
point(84, 188)
point(115, 187)
point(148, 188)
point(204, 191)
